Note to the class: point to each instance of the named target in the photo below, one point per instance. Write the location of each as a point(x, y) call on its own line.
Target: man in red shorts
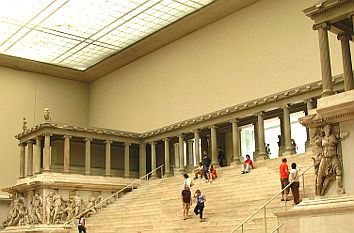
point(284, 179)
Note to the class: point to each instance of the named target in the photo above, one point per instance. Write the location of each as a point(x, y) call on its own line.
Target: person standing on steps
point(206, 164)
point(294, 180)
point(186, 201)
point(82, 224)
point(221, 157)
point(284, 179)
point(187, 181)
point(199, 207)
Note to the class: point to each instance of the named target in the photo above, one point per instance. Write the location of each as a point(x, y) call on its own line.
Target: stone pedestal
point(322, 215)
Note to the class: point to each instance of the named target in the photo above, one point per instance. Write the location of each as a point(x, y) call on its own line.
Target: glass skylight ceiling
point(80, 33)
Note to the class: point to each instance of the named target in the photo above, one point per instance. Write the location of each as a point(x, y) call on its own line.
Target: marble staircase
point(156, 205)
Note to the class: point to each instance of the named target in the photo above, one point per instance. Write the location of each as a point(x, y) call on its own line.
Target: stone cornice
point(326, 7)
point(294, 95)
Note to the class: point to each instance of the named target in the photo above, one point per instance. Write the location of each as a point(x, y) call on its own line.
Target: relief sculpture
point(327, 159)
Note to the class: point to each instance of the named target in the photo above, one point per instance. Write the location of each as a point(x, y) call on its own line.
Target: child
point(200, 199)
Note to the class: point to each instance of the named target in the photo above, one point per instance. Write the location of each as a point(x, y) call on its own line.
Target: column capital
point(325, 26)
point(213, 127)
point(308, 100)
point(48, 134)
point(38, 138)
point(166, 139)
point(108, 142)
point(88, 139)
point(67, 136)
point(235, 120)
point(22, 144)
point(127, 144)
point(190, 141)
point(196, 131)
point(29, 142)
point(286, 106)
point(152, 143)
point(260, 114)
point(181, 135)
point(344, 36)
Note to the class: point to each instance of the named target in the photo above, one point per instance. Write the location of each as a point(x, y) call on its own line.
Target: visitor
point(187, 180)
point(186, 201)
point(295, 184)
point(82, 224)
point(247, 165)
point(199, 207)
point(293, 143)
point(284, 179)
point(212, 173)
point(221, 157)
point(267, 150)
point(206, 164)
point(198, 171)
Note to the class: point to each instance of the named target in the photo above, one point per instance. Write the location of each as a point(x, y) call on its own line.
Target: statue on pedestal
point(328, 162)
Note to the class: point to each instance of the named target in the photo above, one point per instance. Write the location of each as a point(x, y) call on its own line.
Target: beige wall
point(260, 50)
point(25, 94)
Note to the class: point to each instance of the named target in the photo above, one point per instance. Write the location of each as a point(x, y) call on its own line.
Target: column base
point(288, 152)
point(261, 157)
point(327, 93)
point(236, 162)
point(167, 175)
point(87, 173)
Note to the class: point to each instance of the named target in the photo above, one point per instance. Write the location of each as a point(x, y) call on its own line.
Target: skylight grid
point(72, 34)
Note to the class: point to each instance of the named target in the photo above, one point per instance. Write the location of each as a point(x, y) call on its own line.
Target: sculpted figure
point(11, 216)
point(77, 201)
point(317, 151)
point(69, 211)
point(46, 114)
point(99, 198)
point(48, 207)
point(36, 209)
point(57, 210)
point(91, 203)
point(330, 167)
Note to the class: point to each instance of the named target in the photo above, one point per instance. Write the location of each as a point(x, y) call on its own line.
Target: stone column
point(214, 145)
point(236, 155)
point(142, 159)
point(67, 154)
point(108, 158)
point(347, 61)
point(176, 146)
point(153, 160)
point(29, 158)
point(181, 153)
point(282, 138)
point(287, 131)
point(37, 157)
point(327, 84)
point(46, 155)
point(256, 143)
point(126, 160)
point(88, 156)
point(190, 161)
point(196, 146)
point(309, 133)
point(261, 140)
point(167, 157)
point(22, 159)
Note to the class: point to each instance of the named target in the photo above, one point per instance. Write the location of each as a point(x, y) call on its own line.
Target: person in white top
point(82, 224)
point(187, 180)
point(295, 184)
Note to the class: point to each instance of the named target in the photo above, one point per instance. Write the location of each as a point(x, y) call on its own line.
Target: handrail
point(109, 197)
point(264, 205)
point(277, 228)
